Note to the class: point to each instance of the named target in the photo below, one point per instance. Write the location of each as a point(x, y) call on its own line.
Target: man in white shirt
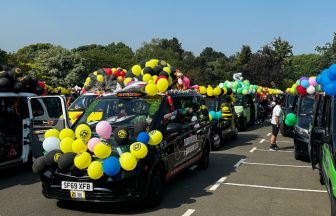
point(276, 120)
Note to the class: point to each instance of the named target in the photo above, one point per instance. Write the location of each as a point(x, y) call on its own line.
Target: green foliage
point(3, 57)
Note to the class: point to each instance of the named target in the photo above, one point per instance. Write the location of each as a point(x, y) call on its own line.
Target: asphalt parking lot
point(244, 178)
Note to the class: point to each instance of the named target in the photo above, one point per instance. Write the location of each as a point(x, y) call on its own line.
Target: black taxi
point(186, 142)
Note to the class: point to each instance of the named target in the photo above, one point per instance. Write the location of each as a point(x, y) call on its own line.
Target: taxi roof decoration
point(327, 80)
point(305, 86)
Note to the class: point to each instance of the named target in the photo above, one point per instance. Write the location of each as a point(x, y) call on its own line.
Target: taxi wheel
point(156, 188)
point(203, 163)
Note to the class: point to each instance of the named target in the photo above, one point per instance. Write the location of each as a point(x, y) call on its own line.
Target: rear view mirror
point(173, 128)
point(318, 133)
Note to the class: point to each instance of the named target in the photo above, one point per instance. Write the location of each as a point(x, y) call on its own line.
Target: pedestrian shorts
point(275, 130)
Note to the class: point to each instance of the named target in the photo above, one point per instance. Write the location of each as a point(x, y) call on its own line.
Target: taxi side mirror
point(173, 128)
point(318, 133)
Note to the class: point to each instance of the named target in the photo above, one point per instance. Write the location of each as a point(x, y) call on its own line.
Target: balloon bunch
point(304, 86)
point(327, 80)
point(291, 119)
point(70, 149)
point(105, 80)
point(226, 113)
point(215, 115)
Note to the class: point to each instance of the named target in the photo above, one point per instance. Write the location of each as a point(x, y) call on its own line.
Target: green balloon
point(234, 90)
point(288, 123)
point(291, 119)
point(247, 82)
point(239, 85)
point(298, 82)
point(240, 90)
point(234, 85)
point(245, 91)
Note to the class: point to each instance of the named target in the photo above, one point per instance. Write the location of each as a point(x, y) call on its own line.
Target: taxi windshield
point(82, 102)
point(306, 112)
point(212, 104)
point(120, 111)
point(290, 101)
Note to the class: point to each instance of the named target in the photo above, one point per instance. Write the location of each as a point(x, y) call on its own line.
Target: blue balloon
point(219, 115)
point(143, 137)
point(111, 166)
point(324, 77)
point(319, 79)
point(213, 114)
point(305, 83)
point(330, 88)
point(332, 70)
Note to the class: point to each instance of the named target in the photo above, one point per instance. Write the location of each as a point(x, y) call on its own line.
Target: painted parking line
point(253, 149)
point(189, 212)
point(217, 184)
point(262, 140)
point(277, 165)
point(275, 188)
point(266, 150)
point(269, 134)
point(239, 163)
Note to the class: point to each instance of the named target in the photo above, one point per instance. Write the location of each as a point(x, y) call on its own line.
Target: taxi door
point(45, 112)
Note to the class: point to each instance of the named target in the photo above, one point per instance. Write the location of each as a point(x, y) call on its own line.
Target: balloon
point(146, 77)
point(92, 143)
point(330, 88)
point(51, 133)
point(305, 83)
point(167, 69)
point(95, 170)
point(66, 132)
point(225, 109)
point(78, 146)
point(82, 160)
point(217, 91)
point(332, 72)
point(291, 119)
point(51, 143)
point(245, 91)
point(121, 135)
point(151, 89)
point(143, 137)
point(127, 80)
point(139, 150)
point(219, 115)
point(52, 157)
point(136, 70)
point(148, 70)
point(311, 90)
point(104, 129)
point(210, 92)
point(213, 115)
point(186, 81)
point(221, 85)
point(301, 90)
point(102, 150)
point(83, 132)
point(202, 90)
point(246, 82)
point(312, 81)
point(155, 137)
point(139, 127)
point(39, 165)
point(157, 69)
point(66, 144)
point(66, 161)
point(111, 166)
point(127, 161)
point(240, 90)
point(150, 64)
point(162, 85)
point(100, 78)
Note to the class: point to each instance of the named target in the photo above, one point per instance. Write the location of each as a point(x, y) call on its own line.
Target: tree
point(59, 66)
point(328, 52)
point(3, 57)
point(209, 54)
point(282, 49)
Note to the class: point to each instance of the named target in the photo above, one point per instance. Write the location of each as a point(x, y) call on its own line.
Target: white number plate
point(77, 194)
point(77, 186)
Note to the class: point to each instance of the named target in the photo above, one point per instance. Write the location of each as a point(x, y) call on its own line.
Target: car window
point(37, 108)
point(320, 117)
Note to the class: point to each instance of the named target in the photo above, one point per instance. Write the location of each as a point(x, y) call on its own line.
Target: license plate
point(77, 194)
point(77, 186)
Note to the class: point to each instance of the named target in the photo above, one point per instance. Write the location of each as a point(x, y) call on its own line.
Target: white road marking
point(252, 150)
point(278, 165)
point(189, 212)
point(216, 185)
point(266, 150)
point(269, 134)
point(262, 140)
point(239, 163)
point(275, 188)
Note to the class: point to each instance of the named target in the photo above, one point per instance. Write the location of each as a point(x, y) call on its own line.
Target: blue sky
point(222, 24)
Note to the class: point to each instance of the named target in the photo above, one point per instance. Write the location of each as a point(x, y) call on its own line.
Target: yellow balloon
point(224, 90)
point(95, 73)
point(151, 64)
point(225, 109)
point(210, 117)
point(100, 78)
point(78, 146)
point(127, 80)
point(88, 79)
point(120, 79)
point(51, 133)
point(136, 70)
point(155, 137)
point(95, 170)
point(233, 99)
point(113, 70)
point(151, 82)
point(162, 85)
point(82, 160)
point(216, 91)
point(83, 132)
point(151, 89)
point(102, 150)
point(167, 69)
point(127, 161)
point(66, 144)
point(146, 77)
point(66, 132)
point(139, 150)
point(154, 77)
point(210, 91)
point(202, 90)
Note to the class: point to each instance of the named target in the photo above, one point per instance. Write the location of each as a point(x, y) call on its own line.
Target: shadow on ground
point(17, 175)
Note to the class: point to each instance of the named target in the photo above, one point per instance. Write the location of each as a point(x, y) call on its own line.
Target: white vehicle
point(21, 135)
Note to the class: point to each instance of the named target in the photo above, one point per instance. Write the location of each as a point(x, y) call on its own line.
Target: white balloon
point(51, 143)
point(311, 90)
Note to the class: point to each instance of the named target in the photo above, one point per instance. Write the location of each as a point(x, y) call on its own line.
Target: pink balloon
point(312, 81)
point(104, 129)
point(186, 81)
point(180, 81)
point(195, 87)
point(92, 143)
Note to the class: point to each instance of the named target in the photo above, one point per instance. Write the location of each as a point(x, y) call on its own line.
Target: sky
point(224, 25)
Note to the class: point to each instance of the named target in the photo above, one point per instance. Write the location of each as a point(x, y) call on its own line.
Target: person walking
point(275, 122)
